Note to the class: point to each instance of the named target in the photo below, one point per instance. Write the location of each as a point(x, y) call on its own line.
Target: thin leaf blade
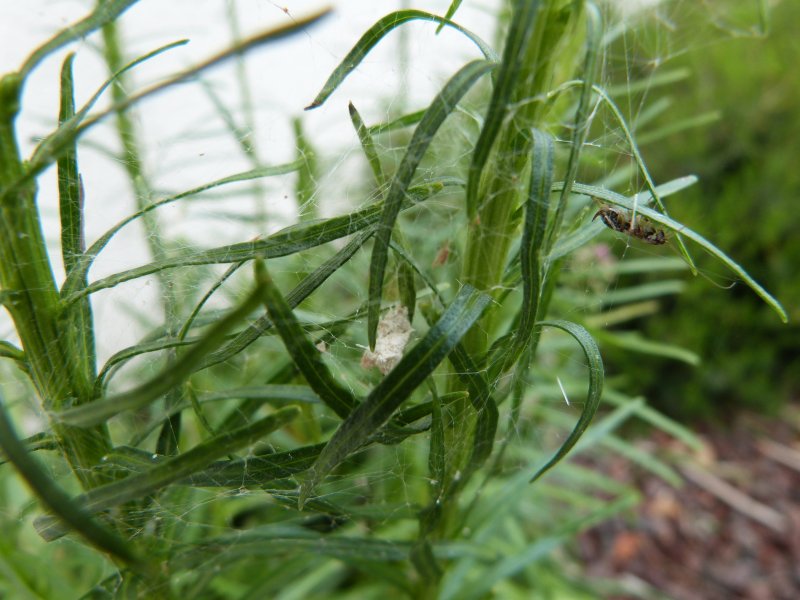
point(374, 35)
point(596, 377)
point(305, 355)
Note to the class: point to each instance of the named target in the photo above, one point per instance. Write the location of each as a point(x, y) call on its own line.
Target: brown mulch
point(731, 531)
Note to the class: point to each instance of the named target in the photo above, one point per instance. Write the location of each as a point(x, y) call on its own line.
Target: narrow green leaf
point(407, 289)
point(76, 320)
point(106, 12)
point(374, 35)
point(505, 82)
point(255, 471)
point(172, 470)
point(480, 396)
point(645, 459)
point(276, 540)
point(399, 123)
point(651, 186)
point(658, 420)
point(169, 438)
point(662, 219)
point(594, 30)
point(666, 287)
point(307, 174)
point(440, 108)
point(676, 126)
point(99, 411)
point(398, 384)
point(605, 427)
point(650, 82)
point(289, 240)
point(36, 442)
point(196, 310)
point(70, 194)
point(596, 376)
point(568, 243)
point(437, 452)
point(635, 342)
point(123, 356)
point(367, 145)
point(68, 513)
point(9, 350)
point(451, 10)
point(306, 355)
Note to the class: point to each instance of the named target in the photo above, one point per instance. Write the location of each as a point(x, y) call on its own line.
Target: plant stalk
point(27, 276)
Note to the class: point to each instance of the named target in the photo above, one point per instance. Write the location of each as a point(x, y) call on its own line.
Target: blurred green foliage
point(746, 202)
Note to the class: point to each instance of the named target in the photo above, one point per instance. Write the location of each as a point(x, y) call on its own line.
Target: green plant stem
point(33, 301)
point(133, 162)
point(502, 188)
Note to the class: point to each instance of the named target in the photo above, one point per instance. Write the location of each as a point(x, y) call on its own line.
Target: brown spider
point(640, 228)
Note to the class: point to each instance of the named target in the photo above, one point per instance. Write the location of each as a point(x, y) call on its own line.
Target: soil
point(732, 531)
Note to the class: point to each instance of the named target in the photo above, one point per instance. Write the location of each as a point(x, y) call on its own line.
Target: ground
point(731, 531)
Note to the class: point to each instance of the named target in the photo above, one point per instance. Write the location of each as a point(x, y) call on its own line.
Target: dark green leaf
point(367, 145)
point(76, 320)
point(256, 471)
point(596, 376)
point(306, 356)
point(70, 194)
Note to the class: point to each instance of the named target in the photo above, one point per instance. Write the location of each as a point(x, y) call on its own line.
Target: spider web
point(197, 133)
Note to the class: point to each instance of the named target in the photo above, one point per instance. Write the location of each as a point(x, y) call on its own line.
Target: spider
point(640, 228)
